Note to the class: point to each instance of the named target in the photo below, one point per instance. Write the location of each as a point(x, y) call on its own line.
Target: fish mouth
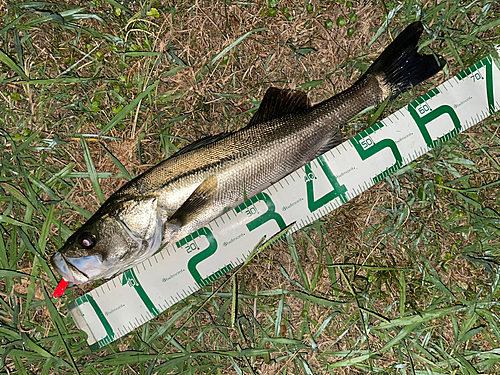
point(68, 270)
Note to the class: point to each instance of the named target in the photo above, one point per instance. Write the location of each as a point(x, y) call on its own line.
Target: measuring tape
point(143, 292)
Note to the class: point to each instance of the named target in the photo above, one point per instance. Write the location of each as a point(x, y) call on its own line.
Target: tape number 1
point(130, 278)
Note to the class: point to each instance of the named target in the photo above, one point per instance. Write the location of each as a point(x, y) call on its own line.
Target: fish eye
point(87, 240)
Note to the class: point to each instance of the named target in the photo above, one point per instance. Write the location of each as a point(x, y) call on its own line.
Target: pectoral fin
point(197, 203)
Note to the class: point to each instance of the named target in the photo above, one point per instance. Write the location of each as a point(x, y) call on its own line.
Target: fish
point(206, 178)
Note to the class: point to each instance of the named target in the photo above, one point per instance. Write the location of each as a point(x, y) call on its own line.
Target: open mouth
point(68, 270)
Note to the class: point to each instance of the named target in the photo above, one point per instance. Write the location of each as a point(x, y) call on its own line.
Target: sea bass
point(204, 179)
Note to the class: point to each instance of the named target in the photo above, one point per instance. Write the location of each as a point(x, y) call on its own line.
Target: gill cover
point(110, 242)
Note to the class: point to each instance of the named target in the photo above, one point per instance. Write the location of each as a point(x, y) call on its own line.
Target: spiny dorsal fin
point(201, 142)
point(279, 102)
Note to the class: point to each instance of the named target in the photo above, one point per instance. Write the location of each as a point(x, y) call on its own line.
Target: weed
point(402, 279)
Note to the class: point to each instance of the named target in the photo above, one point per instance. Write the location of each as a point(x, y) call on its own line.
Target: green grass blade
point(422, 317)
point(11, 273)
point(116, 4)
point(8, 220)
point(404, 333)
point(4, 261)
point(37, 262)
point(117, 162)
point(94, 179)
point(60, 328)
point(11, 64)
point(53, 81)
point(235, 43)
point(16, 193)
point(293, 251)
point(350, 361)
point(385, 24)
point(128, 108)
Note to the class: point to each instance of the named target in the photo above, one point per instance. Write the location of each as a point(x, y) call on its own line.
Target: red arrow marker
point(60, 288)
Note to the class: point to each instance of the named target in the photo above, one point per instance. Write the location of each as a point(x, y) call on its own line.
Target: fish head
point(110, 242)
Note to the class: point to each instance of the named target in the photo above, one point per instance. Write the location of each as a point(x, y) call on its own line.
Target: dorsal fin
point(279, 102)
point(201, 142)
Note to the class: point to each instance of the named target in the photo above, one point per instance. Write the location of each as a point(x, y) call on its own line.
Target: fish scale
point(143, 292)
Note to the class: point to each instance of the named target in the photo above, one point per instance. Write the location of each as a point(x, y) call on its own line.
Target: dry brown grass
point(195, 33)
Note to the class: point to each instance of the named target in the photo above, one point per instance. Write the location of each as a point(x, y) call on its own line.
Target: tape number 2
point(189, 243)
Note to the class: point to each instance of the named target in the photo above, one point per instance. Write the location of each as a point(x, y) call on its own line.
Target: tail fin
point(402, 66)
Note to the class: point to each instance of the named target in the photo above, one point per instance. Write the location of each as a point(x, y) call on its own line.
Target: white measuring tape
point(143, 292)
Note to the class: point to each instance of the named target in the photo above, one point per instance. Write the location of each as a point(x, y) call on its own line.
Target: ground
point(402, 279)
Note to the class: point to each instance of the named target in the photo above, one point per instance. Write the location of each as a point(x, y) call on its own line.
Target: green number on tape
point(472, 72)
point(110, 335)
point(368, 149)
point(338, 190)
point(489, 84)
point(130, 279)
point(270, 214)
point(201, 256)
point(424, 120)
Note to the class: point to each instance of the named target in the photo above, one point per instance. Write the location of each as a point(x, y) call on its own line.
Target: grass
point(404, 279)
